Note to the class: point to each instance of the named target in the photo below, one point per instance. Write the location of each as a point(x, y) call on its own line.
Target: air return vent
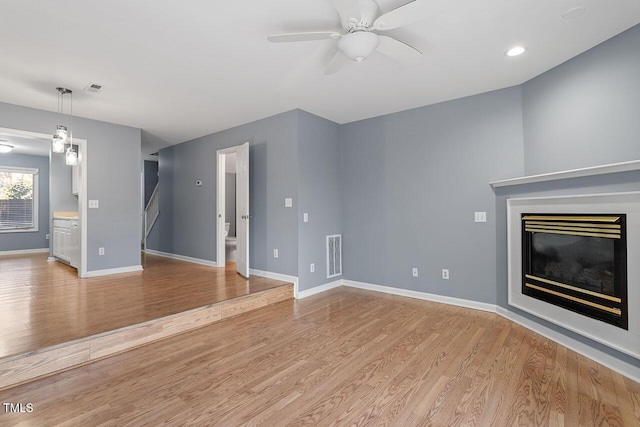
point(334, 255)
point(93, 88)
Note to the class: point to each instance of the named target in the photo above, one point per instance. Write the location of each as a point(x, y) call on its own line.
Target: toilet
point(226, 228)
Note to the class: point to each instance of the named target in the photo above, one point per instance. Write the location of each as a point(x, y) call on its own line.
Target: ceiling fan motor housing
point(369, 11)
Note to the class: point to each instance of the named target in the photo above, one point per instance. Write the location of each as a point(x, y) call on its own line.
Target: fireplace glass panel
point(577, 262)
point(586, 262)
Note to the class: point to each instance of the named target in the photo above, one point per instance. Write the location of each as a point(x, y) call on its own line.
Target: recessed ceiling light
point(5, 148)
point(574, 12)
point(515, 51)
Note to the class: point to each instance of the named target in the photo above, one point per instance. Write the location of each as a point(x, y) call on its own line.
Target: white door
point(242, 209)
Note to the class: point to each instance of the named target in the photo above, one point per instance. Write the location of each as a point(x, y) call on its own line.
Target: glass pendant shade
point(71, 158)
point(61, 132)
point(57, 145)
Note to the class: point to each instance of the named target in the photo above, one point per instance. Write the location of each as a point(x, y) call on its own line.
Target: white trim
point(182, 258)
point(573, 173)
point(35, 217)
point(25, 251)
point(319, 289)
point(110, 271)
point(611, 362)
point(278, 276)
point(51, 259)
point(422, 295)
point(221, 207)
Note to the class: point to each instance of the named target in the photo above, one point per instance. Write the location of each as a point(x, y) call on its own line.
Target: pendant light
point(64, 135)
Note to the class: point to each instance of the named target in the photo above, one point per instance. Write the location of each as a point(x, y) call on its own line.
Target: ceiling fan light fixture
point(359, 45)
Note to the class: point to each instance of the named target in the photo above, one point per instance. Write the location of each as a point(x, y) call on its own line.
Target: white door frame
point(82, 195)
point(221, 201)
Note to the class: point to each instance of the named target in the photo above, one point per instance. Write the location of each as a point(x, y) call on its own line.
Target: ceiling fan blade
point(347, 9)
point(337, 62)
point(397, 50)
point(407, 14)
point(303, 37)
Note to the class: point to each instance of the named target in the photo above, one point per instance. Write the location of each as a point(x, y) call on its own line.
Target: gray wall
point(30, 240)
point(62, 198)
point(585, 112)
point(150, 179)
point(411, 184)
point(113, 178)
point(230, 202)
point(319, 194)
point(187, 223)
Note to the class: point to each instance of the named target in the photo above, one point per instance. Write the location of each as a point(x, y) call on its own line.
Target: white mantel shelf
point(574, 173)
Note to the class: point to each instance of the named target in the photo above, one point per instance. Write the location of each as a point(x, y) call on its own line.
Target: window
point(18, 199)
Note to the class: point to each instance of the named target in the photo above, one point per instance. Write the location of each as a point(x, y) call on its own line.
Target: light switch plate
point(94, 204)
point(481, 216)
point(414, 272)
point(312, 268)
point(305, 217)
point(288, 202)
point(275, 253)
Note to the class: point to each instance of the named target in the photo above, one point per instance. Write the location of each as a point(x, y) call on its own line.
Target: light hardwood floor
point(45, 303)
point(344, 357)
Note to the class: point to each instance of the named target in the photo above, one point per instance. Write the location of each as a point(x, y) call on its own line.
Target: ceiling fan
point(359, 19)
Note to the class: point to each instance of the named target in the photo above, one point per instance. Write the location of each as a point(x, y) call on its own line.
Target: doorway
point(28, 143)
point(232, 235)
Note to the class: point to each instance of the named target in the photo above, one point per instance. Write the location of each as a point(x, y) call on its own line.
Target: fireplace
point(578, 262)
point(574, 261)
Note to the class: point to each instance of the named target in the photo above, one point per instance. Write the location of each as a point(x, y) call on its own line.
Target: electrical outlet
point(305, 217)
point(445, 274)
point(48, 236)
point(94, 204)
point(100, 251)
point(481, 216)
point(414, 271)
point(312, 267)
point(275, 253)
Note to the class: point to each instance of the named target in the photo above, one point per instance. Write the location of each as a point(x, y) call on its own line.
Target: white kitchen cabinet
point(62, 244)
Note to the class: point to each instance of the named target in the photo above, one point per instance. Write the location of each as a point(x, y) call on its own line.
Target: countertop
point(65, 215)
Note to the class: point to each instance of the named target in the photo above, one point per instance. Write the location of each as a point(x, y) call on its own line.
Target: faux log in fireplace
point(578, 262)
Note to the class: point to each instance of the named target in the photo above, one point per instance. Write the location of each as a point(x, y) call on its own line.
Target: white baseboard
point(25, 251)
point(422, 295)
point(319, 289)
point(613, 363)
point(182, 258)
point(277, 276)
point(110, 271)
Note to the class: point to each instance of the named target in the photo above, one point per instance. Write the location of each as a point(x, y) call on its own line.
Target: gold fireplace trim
point(615, 311)
point(609, 219)
point(589, 226)
point(574, 288)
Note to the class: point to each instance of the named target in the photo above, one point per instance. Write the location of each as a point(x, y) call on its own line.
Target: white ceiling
point(25, 145)
point(180, 70)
